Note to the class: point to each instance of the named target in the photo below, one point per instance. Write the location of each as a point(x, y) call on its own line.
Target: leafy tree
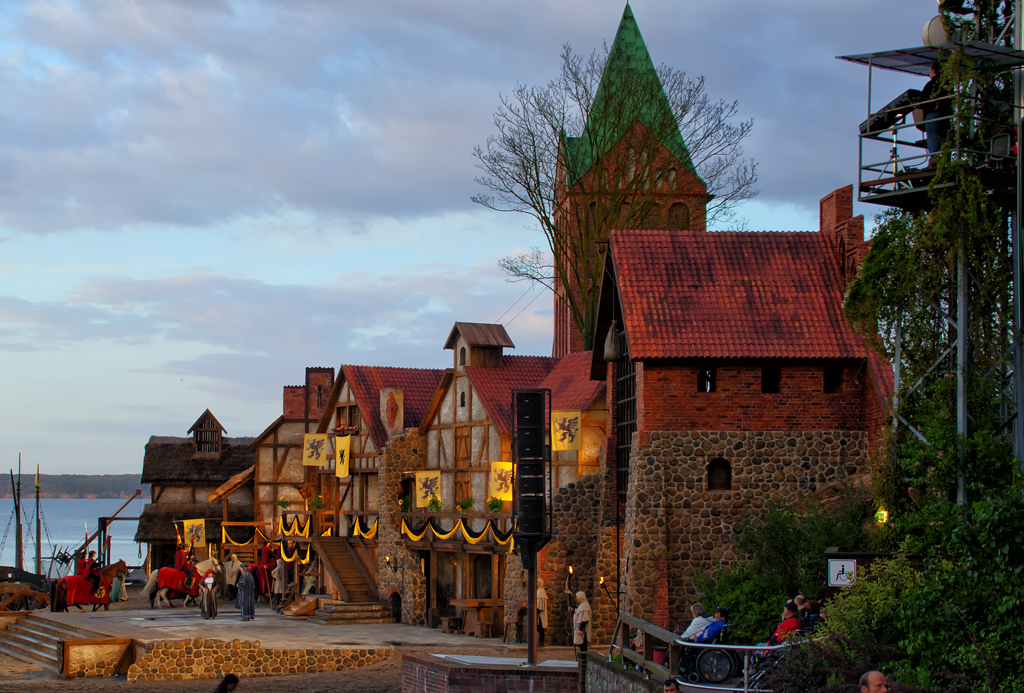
point(593, 150)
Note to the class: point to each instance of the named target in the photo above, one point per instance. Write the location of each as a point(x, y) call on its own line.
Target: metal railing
point(908, 164)
point(675, 647)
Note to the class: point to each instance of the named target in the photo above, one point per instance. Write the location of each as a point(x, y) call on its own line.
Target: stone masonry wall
point(677, 528)
point(211, 659)
point(403, 453)
point(611, 677)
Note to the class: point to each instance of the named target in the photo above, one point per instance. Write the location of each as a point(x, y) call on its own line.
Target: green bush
point(782, 554)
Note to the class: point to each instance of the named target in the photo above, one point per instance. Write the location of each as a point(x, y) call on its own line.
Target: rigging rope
point(3, 543)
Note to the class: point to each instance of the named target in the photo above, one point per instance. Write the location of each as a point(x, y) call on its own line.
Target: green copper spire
point(629, 91)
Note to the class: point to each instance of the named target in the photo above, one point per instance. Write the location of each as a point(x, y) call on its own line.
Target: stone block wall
point(403, 453)
point(610, 677)
point(676, 527)
point(212, 659)
point(423, 673)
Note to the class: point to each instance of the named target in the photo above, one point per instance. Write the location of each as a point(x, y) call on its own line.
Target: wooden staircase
point(35, 640)
point(351, 577)
point(340, 614)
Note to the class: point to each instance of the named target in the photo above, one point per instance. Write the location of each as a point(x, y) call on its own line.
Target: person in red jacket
point(790, 624)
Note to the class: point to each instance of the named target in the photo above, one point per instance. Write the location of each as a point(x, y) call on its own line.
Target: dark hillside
point(76, 485)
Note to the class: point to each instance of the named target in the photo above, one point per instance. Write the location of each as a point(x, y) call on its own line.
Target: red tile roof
point(495, 385)
point(570, 383)
point(418, 386)
point(731, 295)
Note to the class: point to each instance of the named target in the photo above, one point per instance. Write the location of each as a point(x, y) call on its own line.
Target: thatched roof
point(174, 460)
point(156, 524)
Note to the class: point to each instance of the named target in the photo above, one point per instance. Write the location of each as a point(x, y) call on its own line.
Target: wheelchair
point(709, 664)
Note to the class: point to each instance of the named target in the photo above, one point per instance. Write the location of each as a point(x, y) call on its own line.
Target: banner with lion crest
point(501, 480)
point(428, 485)
point(565, 430)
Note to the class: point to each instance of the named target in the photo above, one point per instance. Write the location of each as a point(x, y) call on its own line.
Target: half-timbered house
point(456, 559)
point(182, 472)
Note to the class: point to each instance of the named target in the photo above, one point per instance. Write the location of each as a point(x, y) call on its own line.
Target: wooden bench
point(483, 629)
point(451, 624)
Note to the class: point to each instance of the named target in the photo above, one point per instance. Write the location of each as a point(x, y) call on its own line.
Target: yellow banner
point(428, 485)
point(501, 480)
point(314, 449)
point(565, 430)
point(195, 533)
point(342, 453)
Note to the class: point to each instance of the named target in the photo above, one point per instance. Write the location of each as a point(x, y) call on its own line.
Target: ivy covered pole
point(1018, 252)
point(961, 372)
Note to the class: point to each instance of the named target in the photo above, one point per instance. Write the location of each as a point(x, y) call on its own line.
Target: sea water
point(65, 521)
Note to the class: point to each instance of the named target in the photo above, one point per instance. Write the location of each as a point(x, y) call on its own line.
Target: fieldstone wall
point(403, 453)
point(611, 677)
point(676, 527)
point(211, 659)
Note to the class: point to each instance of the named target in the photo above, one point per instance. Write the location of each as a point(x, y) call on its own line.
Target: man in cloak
point(245, 600)
point(280, 582)
point(581, 619)
point(231, 570)
point(542, 611)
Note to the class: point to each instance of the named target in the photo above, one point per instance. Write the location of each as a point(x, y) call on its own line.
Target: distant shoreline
point(91, 486)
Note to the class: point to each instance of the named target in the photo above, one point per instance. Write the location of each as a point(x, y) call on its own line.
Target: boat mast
point(16, 487)
point(39, 536)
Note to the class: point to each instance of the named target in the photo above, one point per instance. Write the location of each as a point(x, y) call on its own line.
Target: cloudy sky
point(199, 198)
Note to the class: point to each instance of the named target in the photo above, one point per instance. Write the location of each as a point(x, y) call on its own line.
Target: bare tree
point(597, 149)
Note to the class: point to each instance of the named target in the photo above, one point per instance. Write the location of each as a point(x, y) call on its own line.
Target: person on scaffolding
point(938, 109)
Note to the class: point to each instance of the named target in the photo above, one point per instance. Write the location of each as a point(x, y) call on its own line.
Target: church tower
point(628, 169)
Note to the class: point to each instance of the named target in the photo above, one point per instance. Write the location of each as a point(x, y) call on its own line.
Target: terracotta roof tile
point(570, 383)
point(418, 386)
point(730, 295)
point(495, 385)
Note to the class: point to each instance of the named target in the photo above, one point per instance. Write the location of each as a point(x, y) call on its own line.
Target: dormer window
point(207, 434)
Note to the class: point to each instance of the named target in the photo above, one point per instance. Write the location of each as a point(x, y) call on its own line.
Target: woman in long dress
point(245, 601)
point(207, 596)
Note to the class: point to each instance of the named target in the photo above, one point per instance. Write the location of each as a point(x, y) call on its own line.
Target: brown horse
point(81, 591)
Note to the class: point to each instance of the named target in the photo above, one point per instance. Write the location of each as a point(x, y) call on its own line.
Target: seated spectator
point(715, 627)
point(672, 686)
point(790, 624)
point(810, 616)
point(698, 624)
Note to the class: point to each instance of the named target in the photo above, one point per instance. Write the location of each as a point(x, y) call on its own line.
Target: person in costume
point(231, 571)
point(207, 597)
point(542, 611)
point(280, 582)
point(245, 601)
point(581, 619)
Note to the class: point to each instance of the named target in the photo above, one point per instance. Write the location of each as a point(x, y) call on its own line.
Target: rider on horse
point(184, 560)
point(89, 569)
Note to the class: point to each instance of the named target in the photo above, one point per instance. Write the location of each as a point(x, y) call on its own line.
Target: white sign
point(842, 572)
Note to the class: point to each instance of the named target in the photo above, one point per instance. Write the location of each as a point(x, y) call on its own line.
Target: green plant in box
point(495, 505)
point(466, 504)
point(435, 504)
point(405, 505)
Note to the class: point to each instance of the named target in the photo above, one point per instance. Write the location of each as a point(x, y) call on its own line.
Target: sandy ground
point(385, 677)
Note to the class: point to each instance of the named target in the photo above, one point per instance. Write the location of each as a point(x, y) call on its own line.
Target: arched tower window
point(462, 399)
point(671, 179)
point(462, 356)
point(719, 475)
point(678, 217)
